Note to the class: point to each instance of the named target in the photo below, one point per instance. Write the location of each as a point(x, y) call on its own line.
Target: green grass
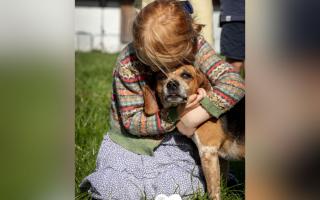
point(93, 94)
point(93, 90)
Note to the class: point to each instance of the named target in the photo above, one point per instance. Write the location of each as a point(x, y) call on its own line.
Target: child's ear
point(150, 101)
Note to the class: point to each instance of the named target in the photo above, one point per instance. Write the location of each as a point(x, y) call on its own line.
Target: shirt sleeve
point(128, 88)
point(227, 84)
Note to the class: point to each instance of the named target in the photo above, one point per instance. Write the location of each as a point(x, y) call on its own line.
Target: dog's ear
point(150, 101)
point(203, 80)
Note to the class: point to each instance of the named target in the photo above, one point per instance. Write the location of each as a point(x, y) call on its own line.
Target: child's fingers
point(198, 99)
point(192, 105)
point(202, 92)
point(194, 100)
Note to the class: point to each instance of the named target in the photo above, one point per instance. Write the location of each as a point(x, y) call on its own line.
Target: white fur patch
point(208, 149)
point(234, 150)
point(202, 148)
point(232, 153)
point(195, 139)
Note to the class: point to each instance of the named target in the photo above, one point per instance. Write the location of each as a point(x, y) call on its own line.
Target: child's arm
point(128, 90)
point(228, 86)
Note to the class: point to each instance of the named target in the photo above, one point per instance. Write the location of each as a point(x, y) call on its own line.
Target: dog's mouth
point(175, 98)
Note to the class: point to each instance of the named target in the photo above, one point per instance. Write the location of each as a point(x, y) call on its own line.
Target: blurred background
point(38, 40)
point(102, 29)
point(105, 25)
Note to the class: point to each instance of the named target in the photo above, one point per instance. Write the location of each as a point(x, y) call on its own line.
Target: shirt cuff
point(211, 107)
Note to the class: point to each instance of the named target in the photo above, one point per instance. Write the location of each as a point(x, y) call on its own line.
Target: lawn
point(93, 91)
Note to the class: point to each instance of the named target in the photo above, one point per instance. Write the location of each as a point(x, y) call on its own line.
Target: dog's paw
point(165, 197)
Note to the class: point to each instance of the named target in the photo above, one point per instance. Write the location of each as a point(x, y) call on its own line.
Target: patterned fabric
point(130, 75)
point(228, 86)
point(124, 175)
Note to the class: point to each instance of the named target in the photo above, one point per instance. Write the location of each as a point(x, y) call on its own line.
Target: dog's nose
point(173, 85)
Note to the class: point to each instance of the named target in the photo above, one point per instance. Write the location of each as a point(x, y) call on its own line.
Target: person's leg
point(112, 178)
point(112, 184)
point(128, 13)
point(176, 168)
point(121, 174)
point(203, 13)
point(233, 44)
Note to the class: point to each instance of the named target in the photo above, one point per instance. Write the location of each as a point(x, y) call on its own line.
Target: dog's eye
point(186, 75)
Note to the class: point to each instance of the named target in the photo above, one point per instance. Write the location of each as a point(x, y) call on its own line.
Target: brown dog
point(215, 138)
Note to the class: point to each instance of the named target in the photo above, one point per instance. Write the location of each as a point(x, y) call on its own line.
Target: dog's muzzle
point(174, 93)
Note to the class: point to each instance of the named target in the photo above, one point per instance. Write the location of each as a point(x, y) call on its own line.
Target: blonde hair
point(165, 35)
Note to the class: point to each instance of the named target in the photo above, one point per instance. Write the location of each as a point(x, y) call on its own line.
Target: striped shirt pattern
point(130, 75)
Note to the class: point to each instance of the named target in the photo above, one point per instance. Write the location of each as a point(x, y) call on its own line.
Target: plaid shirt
point(130, 75)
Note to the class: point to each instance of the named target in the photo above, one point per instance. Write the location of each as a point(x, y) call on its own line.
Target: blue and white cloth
point(121, 174)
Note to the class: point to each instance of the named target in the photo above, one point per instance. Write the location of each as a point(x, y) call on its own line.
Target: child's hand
point(193, 101)
point(193, 115)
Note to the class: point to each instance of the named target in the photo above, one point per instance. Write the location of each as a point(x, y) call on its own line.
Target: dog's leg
point(210, 165)
point(209, 137)
point(211, 169)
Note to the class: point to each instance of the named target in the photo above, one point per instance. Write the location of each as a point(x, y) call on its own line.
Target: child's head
point(165, 35)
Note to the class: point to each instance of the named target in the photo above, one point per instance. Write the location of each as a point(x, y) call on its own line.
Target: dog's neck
point(181, 109)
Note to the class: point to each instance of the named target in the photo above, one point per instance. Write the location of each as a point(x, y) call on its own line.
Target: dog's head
point(174, 87)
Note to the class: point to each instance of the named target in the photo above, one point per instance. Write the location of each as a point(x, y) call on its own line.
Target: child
point(143, 156)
